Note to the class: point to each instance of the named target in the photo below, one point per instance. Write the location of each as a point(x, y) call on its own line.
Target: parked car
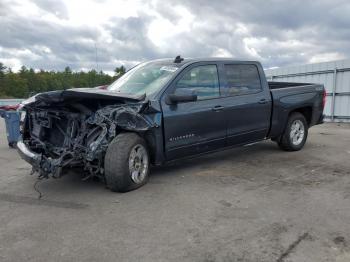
point(161, 111)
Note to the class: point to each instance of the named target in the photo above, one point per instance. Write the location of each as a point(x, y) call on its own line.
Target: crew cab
point(161, 111)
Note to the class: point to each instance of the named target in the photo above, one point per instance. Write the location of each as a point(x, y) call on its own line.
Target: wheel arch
point(305, 111)
point(150, 140)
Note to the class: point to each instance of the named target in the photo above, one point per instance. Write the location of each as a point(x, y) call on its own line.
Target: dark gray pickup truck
point(161, 111)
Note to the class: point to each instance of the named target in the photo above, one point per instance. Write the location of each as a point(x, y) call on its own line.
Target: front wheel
point(12, 144)
point(127, 163)
point(295, 133)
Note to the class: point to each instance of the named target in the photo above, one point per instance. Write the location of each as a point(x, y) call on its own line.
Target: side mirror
point(181, 95)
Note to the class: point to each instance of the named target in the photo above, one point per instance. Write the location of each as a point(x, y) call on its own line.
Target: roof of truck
point(205, 59)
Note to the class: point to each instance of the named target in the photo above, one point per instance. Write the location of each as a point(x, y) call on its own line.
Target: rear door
point(247, 103)
point(199, 126)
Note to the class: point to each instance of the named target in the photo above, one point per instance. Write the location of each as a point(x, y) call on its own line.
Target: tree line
point(27, 81)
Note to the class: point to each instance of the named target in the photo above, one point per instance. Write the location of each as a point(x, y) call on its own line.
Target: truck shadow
point(72, 180)
point(212, 160)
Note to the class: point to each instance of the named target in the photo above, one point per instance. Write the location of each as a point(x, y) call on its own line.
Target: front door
point(199, 126)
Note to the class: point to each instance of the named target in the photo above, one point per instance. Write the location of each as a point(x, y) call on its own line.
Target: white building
point(334, 75)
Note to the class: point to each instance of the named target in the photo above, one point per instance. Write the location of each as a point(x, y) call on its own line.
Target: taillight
point(324, 98)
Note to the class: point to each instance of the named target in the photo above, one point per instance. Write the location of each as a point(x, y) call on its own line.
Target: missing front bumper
point(26, 154)
point(44, 166)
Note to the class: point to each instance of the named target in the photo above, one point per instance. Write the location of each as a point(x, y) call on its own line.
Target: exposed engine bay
point(73, 128)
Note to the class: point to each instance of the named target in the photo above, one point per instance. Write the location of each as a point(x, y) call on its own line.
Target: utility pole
point(96, 57)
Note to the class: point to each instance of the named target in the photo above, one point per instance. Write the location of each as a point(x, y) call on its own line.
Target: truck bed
point(287, 96)
point(277, 85)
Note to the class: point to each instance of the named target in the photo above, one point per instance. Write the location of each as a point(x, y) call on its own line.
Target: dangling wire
point(36, 189)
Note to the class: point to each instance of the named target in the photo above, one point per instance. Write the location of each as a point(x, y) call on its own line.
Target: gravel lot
point(254, 203)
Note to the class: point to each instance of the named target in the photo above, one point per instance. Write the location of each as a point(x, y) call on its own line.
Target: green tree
point(119, 71)
point(2, 79)
point(23, 71)
point(15, 86)
point(27, 81)
point(2, 69)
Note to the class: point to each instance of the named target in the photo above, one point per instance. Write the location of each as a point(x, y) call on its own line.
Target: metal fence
point(335, 76)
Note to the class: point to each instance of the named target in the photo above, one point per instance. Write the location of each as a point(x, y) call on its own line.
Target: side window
point(203, 80)
point(242, 79)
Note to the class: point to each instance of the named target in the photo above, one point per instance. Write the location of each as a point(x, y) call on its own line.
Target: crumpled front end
point(76, 133)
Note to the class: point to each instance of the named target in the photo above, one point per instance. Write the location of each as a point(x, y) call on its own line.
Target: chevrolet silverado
point(161, 111)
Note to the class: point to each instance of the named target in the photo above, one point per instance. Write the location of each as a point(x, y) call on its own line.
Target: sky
point(91, 34)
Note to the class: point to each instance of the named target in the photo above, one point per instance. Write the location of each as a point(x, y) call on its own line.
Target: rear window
point(242, 79)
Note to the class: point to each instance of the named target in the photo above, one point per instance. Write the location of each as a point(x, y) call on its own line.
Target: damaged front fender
point(60, 137)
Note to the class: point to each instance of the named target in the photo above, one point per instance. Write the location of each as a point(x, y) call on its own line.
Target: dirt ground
point(254, 203)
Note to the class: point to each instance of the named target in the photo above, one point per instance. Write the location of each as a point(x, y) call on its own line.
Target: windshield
point(145, 78)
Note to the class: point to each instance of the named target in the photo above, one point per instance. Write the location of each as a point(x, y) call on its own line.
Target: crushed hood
point(82, 93)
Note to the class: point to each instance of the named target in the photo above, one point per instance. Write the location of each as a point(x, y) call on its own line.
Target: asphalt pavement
point(254, 203)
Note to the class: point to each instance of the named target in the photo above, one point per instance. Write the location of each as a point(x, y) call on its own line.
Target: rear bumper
point(26, 154)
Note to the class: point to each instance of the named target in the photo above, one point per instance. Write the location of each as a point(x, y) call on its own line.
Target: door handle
point(262, 101)
point(217, 108)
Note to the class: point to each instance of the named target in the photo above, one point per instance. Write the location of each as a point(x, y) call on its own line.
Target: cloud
point(55, 7)
point(55, 33)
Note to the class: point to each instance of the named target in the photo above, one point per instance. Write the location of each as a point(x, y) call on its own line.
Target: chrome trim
point(29, 156)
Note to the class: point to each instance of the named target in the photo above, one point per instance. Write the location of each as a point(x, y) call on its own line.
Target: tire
point(127, 163)
point(294, 137)
point(13, 144)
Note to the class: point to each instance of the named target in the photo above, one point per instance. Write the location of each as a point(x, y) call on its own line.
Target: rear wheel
point(295, 133)
point(127, 163)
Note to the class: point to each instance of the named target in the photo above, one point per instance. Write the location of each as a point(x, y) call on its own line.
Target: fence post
point(334, 89)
